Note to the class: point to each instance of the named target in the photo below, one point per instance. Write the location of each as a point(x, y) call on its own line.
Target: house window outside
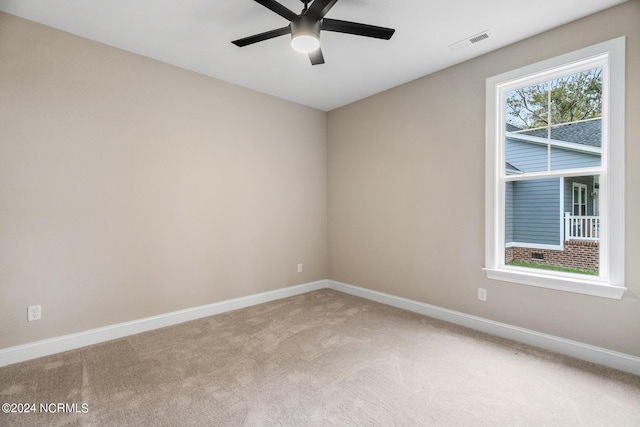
point(579, 199)
point(555, 173)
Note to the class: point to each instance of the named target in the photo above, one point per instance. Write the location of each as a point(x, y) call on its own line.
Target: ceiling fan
point(305, 28)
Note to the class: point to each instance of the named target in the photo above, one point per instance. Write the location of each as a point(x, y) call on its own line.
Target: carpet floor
point(322, 358)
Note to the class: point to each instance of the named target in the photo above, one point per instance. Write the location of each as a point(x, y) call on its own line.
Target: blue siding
point(526, 156)
point(508, 229)
point(536, 214)
point(567, 159)
point(529, 157)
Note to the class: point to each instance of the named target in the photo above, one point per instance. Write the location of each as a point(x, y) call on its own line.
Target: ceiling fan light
point(305, 34)
point(305, 43)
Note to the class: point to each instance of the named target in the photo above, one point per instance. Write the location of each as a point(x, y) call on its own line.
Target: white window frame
point(611, 282)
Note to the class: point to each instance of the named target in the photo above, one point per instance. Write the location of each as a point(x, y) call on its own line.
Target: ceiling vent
point(476, 38)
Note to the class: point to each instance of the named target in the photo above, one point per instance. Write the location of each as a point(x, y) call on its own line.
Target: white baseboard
point(602, 356)
point(47, 347)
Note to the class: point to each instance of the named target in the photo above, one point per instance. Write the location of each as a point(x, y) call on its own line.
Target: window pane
point(525, 154)
point(577, 145)
point(527, 107)
point(576, 97)
point(553, 224)
point(532, 212)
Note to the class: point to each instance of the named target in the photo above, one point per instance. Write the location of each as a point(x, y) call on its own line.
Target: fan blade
point(357, 29)
point(319, 8)
point(262, 36)
point(276, 7)
point(316, 57)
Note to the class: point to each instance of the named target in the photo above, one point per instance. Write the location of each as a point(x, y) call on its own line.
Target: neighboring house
point(548, 220)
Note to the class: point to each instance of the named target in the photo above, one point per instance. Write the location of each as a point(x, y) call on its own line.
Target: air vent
point(479, 37)
point(470, 40)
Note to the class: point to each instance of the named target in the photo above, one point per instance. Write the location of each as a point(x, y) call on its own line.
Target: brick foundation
point(576, 254)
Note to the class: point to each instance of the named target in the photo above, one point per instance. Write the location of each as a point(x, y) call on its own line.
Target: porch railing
point(580, 227)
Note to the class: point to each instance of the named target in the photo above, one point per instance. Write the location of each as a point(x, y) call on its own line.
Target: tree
point(563, 100)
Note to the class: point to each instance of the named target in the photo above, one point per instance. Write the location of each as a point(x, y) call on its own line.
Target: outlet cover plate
point(34, 312)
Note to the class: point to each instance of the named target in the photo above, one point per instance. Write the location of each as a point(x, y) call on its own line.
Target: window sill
point(596, 288)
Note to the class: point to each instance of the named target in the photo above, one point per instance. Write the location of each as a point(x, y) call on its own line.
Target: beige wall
point(131, 188)
point(406, 193)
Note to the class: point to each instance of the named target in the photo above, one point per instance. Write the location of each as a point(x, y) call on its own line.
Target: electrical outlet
point(34, 312)
point(299, 268)
point(482, 294)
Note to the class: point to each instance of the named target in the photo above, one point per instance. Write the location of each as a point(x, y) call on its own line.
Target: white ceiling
point(197, 35)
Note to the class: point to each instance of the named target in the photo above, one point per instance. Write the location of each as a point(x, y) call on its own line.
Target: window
point(555, 173)
point(579, 199)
